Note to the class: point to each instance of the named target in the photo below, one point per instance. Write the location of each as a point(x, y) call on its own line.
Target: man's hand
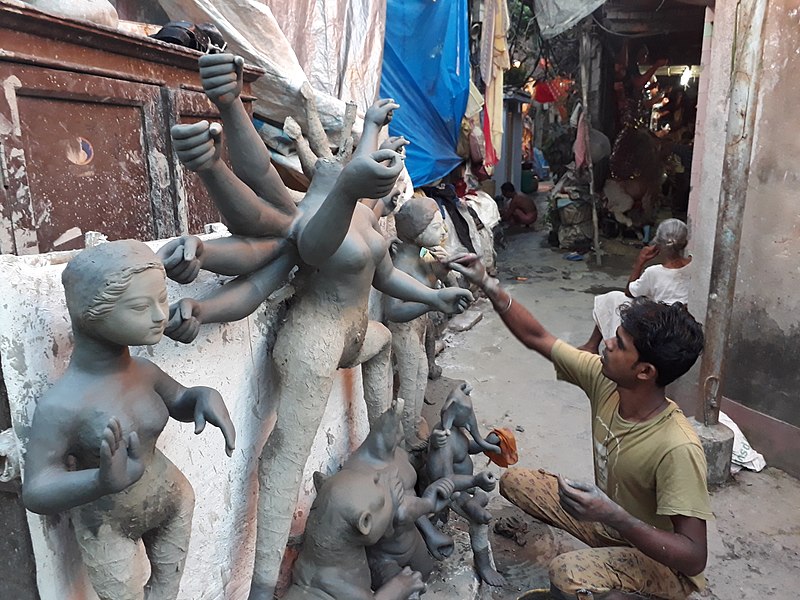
point(221, 76)
point(183, 325)
point(470, 266)
point(182, 258)
point(198, 145)
point(381, 112)
point(586, 501)
point(210, 408)
point(439, 253)
point(121, 464)
point(452, 300)
point(372, 175)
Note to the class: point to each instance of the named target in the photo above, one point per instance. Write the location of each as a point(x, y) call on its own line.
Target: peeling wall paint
point(233, 358)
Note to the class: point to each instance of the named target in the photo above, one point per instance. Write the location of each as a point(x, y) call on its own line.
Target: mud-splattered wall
point(763, 355)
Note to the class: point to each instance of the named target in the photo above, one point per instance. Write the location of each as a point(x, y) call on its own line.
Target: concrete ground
point(754, 544)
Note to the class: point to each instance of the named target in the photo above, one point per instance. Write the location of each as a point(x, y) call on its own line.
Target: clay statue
point(352, 510)
point(419, 225)
point(449, 453)
point(92, 449)
point(340, 252)
point(405, 546)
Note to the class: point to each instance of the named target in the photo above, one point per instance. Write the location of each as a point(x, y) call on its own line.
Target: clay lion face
point(139, 315)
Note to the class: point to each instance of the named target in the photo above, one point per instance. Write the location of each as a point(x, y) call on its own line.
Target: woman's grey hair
point(672, 235)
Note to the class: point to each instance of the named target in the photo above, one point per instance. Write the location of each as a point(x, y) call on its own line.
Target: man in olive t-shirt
point(645, 516)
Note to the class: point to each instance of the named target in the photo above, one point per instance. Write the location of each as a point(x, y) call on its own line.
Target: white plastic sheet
point(340, 49)
point(557, 16)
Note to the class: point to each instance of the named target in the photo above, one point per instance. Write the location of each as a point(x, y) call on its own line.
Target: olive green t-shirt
point(654, 469)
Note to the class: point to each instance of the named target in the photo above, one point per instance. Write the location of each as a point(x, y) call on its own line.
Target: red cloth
point(508, 448)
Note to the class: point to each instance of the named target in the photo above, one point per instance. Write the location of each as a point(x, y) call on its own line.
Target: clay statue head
point(458, 412)
point(354, 506)
point(419, 221)
point(116, 292)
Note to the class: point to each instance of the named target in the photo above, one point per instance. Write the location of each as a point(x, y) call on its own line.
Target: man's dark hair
point(665, 335)
point(507, 187)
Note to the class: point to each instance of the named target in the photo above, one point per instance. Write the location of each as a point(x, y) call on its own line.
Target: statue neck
point(98, 356)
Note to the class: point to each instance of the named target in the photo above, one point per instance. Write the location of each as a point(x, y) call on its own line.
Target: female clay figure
point(341, 254)
point(92, 447)
point(419, 225)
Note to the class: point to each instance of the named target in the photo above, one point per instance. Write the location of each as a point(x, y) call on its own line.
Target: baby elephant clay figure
point(449, 451)
point(352, 511)
point(419, 225)
point(92, 449)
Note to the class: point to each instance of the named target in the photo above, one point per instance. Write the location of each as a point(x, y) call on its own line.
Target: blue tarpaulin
point(426, 70)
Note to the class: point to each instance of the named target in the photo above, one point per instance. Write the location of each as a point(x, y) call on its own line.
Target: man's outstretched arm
point(525, 327)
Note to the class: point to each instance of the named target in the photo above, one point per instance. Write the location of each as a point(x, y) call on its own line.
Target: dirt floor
point(755, 540)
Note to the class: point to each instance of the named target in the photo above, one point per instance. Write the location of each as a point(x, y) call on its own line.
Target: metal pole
point(745, 83)
point(585, 57)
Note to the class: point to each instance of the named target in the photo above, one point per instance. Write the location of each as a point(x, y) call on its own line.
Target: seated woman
point(667, 282)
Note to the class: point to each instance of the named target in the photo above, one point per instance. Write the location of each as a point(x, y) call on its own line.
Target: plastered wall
point(234, 358)
point(762, 368)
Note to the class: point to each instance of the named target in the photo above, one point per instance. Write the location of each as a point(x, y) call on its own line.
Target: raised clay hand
point(371, 175)
point(470, 266)
point(439, 253)
point(209, 407)
point(439, 438)
point(183, 325)
point(120, 462)
point(453, 300)
point(381, 112)
point(221, 76)
point(439, 492)
point(486, 481)
point(198, 145)
point(396, 143)
point(182, 258)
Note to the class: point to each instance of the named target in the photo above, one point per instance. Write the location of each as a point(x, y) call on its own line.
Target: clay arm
point(50, 487)
point(199, 404)
point(435, 498)
point(398, 311)
point(321, 233)
point(684, 549)
point(230, 302)
point(198, 148)
point(519, 321)
point(234, 255)
point(221, 76)
point(400, 285)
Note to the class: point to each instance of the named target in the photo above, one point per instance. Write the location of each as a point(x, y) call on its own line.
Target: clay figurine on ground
point(419, 225)
point(449, 453)
point(352, 511)
point(341, 253)
point(412, 531)
point(92, 449)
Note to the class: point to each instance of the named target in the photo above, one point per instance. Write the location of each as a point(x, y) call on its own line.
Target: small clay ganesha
point(449, 451)
point(92, 450)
